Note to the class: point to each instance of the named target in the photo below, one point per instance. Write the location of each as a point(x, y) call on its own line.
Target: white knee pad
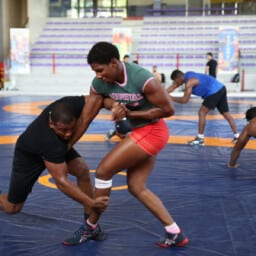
point(103, 183)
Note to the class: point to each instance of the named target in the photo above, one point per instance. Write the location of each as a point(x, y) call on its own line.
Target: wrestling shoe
point(173, 240)
point(196, 141)
point(110, 134)
point(235, 140)
point(85, 233)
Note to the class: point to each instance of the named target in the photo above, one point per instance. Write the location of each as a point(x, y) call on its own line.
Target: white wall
point(37, 12)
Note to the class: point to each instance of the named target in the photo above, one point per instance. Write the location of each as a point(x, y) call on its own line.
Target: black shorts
point(26, 169)
point(217, 100)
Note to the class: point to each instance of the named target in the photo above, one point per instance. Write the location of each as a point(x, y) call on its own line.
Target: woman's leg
point(79, 168)
point(136, 179)
point(125, 155)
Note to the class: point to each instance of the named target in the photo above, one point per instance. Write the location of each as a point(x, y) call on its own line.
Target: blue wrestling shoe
point(85, 233)
point(173, 240)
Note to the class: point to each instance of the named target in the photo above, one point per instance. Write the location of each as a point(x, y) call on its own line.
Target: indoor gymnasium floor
point(214, 205)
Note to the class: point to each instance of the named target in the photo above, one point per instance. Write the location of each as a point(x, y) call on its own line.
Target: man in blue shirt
point(211, 91)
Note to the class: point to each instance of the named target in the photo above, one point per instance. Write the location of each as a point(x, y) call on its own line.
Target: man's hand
point(100, 203)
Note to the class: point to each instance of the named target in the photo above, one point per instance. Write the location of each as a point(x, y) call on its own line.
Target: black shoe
point(235, 140)
point(196, 141)
point(85, 233)
point(173, 240)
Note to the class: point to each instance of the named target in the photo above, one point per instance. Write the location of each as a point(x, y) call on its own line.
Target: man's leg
point(25, 172)
point(199, 139)
point(203, 111)
point(232, 125)
point(20, 186)
point(231, 121)
point(8, 207)
point(224, 111)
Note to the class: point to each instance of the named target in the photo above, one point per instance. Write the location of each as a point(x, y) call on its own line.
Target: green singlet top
point(130, 92)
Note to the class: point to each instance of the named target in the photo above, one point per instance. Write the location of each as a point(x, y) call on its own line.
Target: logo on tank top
point(130, 97)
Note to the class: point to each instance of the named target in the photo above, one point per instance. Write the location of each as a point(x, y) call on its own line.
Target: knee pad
point(103, 183)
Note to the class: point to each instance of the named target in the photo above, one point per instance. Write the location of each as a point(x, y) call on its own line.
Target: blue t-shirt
point(207, 86)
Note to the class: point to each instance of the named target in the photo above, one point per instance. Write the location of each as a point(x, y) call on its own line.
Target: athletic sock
point(236, 135)
point(93, 226)
point(173, 228)
point(200, 136)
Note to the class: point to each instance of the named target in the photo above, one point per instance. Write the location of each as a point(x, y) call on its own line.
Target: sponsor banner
point(19, 51)
point(228, 55)
point(122, 38)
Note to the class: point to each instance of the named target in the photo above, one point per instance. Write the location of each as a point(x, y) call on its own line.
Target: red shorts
point(152, 137)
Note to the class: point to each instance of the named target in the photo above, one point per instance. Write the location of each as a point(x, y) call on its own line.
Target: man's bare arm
point(192, 82)
point(172, 88)
point(240, 144)
point(59, 173)
point(206, 70)
point(109, 103)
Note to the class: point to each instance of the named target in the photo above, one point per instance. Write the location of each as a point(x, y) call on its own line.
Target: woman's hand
point(119, 111)
point(100, 203)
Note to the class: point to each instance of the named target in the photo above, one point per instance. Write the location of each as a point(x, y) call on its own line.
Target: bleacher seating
point(157, 41)
point(162, 38)
point(70, 40)
point(65, 43)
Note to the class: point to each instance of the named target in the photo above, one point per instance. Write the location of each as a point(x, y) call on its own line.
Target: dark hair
point(210, 54)
point(250, 113)
point(102, 53)
point(176, 73)
point(62, 112)
point(126, 56)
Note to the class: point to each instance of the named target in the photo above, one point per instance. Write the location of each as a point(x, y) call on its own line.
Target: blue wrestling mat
point(214, 205)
